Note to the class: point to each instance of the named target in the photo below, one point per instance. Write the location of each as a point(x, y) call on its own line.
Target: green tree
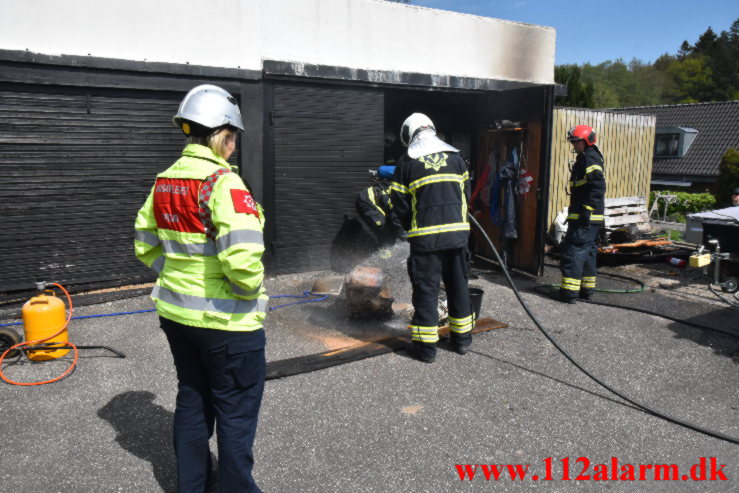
point(733, 57)
point(579, 94)
point(705, 71)
point(649, 85)
point(664, 61)
point(606, 97)
point(721, 58)
point(693, 78)
point(617, 84)
point(617, 78)
point(685, 50)
point(734, 29)
point(728, 178)
point(706, 43)
point(724, 69)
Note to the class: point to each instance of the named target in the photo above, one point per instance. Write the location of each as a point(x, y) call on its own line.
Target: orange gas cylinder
point(43, 316)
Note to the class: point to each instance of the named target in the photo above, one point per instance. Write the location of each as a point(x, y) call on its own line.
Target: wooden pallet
point(624, 211)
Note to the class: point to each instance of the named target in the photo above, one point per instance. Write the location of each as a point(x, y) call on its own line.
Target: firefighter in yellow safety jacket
point(201, 230)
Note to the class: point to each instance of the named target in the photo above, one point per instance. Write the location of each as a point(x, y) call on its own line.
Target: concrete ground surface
point(393, 424)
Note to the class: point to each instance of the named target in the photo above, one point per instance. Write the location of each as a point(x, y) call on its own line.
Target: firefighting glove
point(584, 219)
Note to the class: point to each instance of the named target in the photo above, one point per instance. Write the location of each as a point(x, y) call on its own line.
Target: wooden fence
point(627, 144)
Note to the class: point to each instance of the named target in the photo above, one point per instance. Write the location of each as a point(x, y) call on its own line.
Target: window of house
point(666, 144)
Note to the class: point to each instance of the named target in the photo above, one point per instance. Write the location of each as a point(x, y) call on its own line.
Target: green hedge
point(685, 203)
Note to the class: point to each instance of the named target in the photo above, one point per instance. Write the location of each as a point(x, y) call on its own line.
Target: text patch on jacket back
point(176, 205)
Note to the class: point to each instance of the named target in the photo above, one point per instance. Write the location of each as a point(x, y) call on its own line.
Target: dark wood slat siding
point(75, 166)
point(325, 140)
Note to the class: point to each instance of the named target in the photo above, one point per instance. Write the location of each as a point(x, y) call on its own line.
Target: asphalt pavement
point(393, 424)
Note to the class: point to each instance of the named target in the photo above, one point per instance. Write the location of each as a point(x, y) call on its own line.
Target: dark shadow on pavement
point(144, 430)
point(723, 339)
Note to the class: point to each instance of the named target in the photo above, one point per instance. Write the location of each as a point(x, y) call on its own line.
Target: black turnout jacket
point(430, 196)
point(588, 186)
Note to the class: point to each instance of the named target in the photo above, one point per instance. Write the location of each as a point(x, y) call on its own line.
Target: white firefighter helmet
point(208, 106)
point(412, 125)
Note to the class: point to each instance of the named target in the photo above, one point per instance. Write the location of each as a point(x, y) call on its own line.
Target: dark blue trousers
point(578, 260)
point(426, 270)
point(220, 382)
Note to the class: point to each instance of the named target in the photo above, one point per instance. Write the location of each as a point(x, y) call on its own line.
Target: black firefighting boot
point(586, 294)
point(460, 343)
point(564, 296)
point(423, 351)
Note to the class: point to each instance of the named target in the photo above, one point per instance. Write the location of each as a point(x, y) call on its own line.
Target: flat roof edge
point(272, 69)
point(127, 65)
point(278, 68)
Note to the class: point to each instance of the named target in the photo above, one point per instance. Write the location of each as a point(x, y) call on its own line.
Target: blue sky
point(595, 30)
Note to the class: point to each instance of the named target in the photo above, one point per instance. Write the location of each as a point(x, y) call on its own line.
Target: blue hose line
point(93, 316)
point(114, 314)
point(304, 295)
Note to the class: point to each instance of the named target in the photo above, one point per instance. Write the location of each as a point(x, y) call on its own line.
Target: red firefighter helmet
point(582, 132)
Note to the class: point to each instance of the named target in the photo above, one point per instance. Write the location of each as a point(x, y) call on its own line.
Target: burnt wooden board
point(368, 349)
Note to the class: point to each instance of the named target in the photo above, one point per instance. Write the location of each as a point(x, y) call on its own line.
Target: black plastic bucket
point(476, 300)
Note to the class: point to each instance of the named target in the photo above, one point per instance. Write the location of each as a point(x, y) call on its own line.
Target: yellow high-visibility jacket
point(201, 229)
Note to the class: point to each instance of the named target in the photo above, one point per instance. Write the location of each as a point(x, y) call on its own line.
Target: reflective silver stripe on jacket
point(242, 292)
point(173, 246)
point(442, 228)
point(593, 217)
point(146, 237)
point(371, 195)
point(445, 177)
point(192, 302)
point(398, 187)
point(238, 236)
point(158, 264)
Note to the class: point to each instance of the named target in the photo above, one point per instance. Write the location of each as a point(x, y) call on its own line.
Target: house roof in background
point(718, 130)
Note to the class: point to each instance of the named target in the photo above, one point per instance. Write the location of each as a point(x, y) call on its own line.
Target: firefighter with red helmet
point(584, 218)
